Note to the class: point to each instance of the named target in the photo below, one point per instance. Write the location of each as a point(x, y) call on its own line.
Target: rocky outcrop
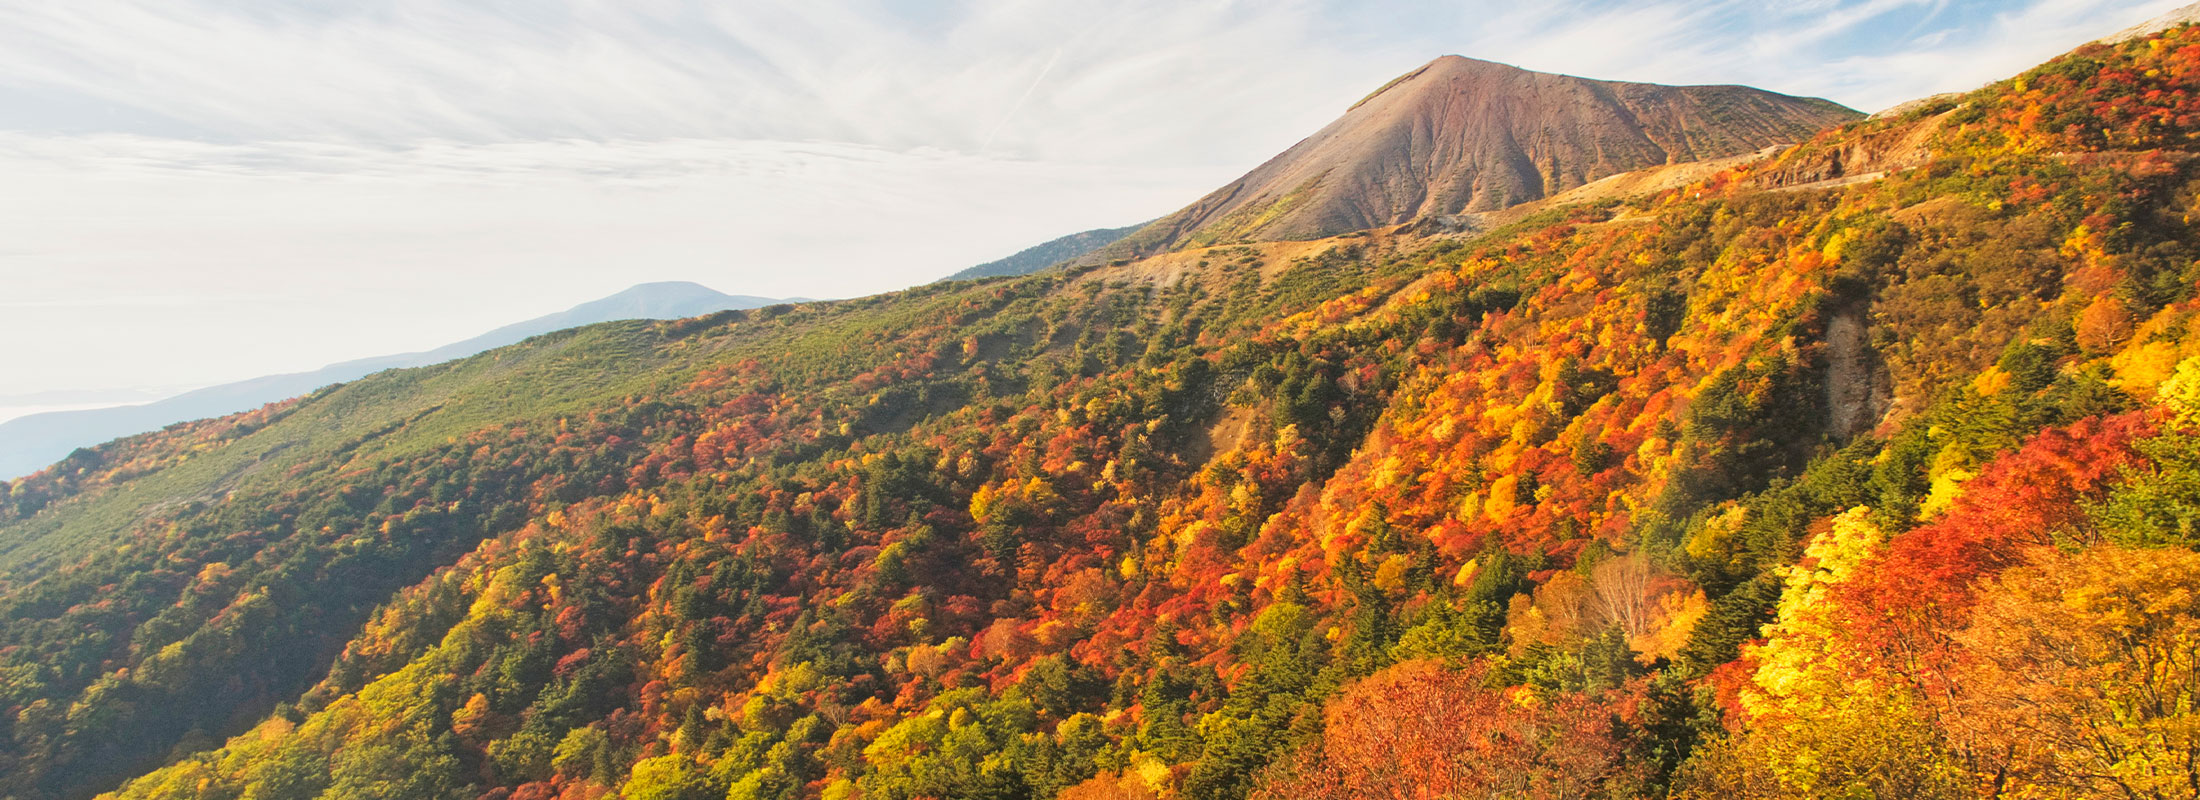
point(1895, 147)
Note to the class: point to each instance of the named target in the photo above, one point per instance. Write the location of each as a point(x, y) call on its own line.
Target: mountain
point(1463, 135)
point(1038, 257)
point(1861, 468)
point(32, 442)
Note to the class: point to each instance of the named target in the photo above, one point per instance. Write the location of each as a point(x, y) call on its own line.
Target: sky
point(200, 191)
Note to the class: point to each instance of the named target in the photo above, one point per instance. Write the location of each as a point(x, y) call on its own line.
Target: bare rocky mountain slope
point(1464, 135)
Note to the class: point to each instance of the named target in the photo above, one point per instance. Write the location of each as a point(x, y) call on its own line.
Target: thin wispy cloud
point(398, 71)
point(1134, 82)
point(1131, 81)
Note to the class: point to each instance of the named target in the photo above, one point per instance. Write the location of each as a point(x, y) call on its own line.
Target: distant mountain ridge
point(1038, 257)
point(32, 442)
point(1465, 135)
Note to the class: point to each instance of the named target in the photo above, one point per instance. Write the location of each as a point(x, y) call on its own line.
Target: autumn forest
point(1869, 469)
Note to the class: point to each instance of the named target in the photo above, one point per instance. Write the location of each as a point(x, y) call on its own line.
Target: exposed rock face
point(1896, 147)
point(1857, 385)
point(1462, 135)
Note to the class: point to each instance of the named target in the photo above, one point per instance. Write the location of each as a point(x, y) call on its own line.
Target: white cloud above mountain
point(190, 177)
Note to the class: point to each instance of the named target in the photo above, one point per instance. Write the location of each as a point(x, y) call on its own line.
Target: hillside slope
point(1463, 135)
point(1047, 254)
point(30, 443)
point(1746, 488)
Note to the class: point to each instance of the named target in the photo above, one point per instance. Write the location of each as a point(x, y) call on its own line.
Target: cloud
point(1145, 82)
point(283, 183)
point(1971, 47)
point(400, 70)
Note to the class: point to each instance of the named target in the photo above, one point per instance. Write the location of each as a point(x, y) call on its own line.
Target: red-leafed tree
point(1904, 605)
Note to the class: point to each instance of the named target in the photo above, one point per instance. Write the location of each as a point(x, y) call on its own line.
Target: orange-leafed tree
point(1421, 729)
point(2084, 675)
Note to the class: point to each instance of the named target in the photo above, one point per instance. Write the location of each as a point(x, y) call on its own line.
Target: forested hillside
point(33, 442)
point(1867, 470)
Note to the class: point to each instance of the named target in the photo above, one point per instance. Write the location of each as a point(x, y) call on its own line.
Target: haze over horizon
point(208, 191)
